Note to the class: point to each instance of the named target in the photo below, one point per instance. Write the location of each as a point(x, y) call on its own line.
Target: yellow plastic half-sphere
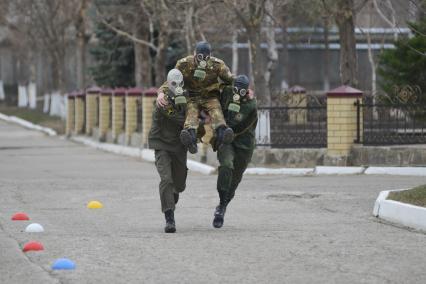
point(94, 205)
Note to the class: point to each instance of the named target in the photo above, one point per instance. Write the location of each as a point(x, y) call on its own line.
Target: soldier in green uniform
point(240, 111)
point(170, 154)
point(202, 74)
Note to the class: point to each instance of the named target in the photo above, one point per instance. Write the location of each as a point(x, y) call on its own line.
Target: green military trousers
point(173, 171)
point(233, 162)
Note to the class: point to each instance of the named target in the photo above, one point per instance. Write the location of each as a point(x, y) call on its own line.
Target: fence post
point(69, 127)
point(91, 108)
point(149, 96)
point(79, 112)
point(131, 112)
point(118, 112)
point(341, 123)
point(104, 113)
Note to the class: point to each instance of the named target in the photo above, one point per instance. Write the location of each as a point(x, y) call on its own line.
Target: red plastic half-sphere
point(20, 217)
point(32, 246)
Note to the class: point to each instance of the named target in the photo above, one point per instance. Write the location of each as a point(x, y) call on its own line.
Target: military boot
point(170, 221)
point(219, 216)
point(189, 139)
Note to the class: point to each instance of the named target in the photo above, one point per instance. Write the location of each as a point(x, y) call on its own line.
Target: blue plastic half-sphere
point(63, 264)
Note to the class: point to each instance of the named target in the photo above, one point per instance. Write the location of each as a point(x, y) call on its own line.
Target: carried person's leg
point(163, 163)
point(224, 134)
point(188, 135)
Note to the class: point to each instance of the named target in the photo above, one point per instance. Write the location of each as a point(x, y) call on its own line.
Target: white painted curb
point(280, 171)
point(339, 170)
point(144, 154)
point(401, 171)
point(401, 213)
point(28, 124)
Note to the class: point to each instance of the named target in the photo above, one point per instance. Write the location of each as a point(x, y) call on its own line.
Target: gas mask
point(239, 91)
point(201, 56)
point(175, 84)
point(200, 71)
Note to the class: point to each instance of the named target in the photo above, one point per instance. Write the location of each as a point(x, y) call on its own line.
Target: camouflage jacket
point(216, 72)
point(243, 122)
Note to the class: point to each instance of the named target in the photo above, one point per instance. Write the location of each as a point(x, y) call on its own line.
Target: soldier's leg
point(241, 160)
point(224, 179)
point(224, 134)
point(188, 135)
point(225, 157)
point(164, 167)
point(205, 139)
point(163, 163)
point(179, 173)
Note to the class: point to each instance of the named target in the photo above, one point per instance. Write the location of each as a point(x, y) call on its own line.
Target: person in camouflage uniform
point(170, 154)
point(201, 73)
point(240, 111)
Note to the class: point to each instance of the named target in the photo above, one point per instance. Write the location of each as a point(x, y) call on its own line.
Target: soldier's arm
point(246, 124)
point(225, 74)
point(177, 116)
point(163, 88)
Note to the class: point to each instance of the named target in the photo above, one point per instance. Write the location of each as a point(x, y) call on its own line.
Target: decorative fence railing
point(300, 123)
point(389, 121)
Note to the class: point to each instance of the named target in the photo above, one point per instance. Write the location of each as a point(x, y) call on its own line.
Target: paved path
point(277, 230)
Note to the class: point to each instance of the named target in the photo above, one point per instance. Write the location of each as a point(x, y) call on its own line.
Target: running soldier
point(240, 111)
point(170, 154)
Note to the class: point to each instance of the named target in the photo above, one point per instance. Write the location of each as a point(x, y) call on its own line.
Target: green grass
point(415, 196)
point(35, 116)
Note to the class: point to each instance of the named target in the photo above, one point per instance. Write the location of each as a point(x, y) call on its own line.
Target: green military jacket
point(167, 124)
point(243, 122)
point(216, 72)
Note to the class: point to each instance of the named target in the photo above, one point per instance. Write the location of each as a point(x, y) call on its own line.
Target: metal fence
point(298, 123)
point(390, 121)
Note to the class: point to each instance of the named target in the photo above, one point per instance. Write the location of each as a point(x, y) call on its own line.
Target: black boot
point(188, 138)
point(170, 221)
point(219, 216)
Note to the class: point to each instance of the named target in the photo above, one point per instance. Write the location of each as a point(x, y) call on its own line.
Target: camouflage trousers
point(210, 105)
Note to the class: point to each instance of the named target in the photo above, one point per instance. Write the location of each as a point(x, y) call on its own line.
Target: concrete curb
point(401, 171)
point(148, 155)
point(320, 170)
point(28, 124)
point(400, 213)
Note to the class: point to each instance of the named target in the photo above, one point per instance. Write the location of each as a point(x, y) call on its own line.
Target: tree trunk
point(81, 62)
point(258, 82)
point(284, 54)
point(235, 53)
point(326, 86)
point(143, 74)
point(189, 27)
point(160, 59)
point(348, 56)
point(272, 46)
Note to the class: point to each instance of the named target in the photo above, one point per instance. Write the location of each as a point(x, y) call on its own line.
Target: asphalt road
point(277, 230)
